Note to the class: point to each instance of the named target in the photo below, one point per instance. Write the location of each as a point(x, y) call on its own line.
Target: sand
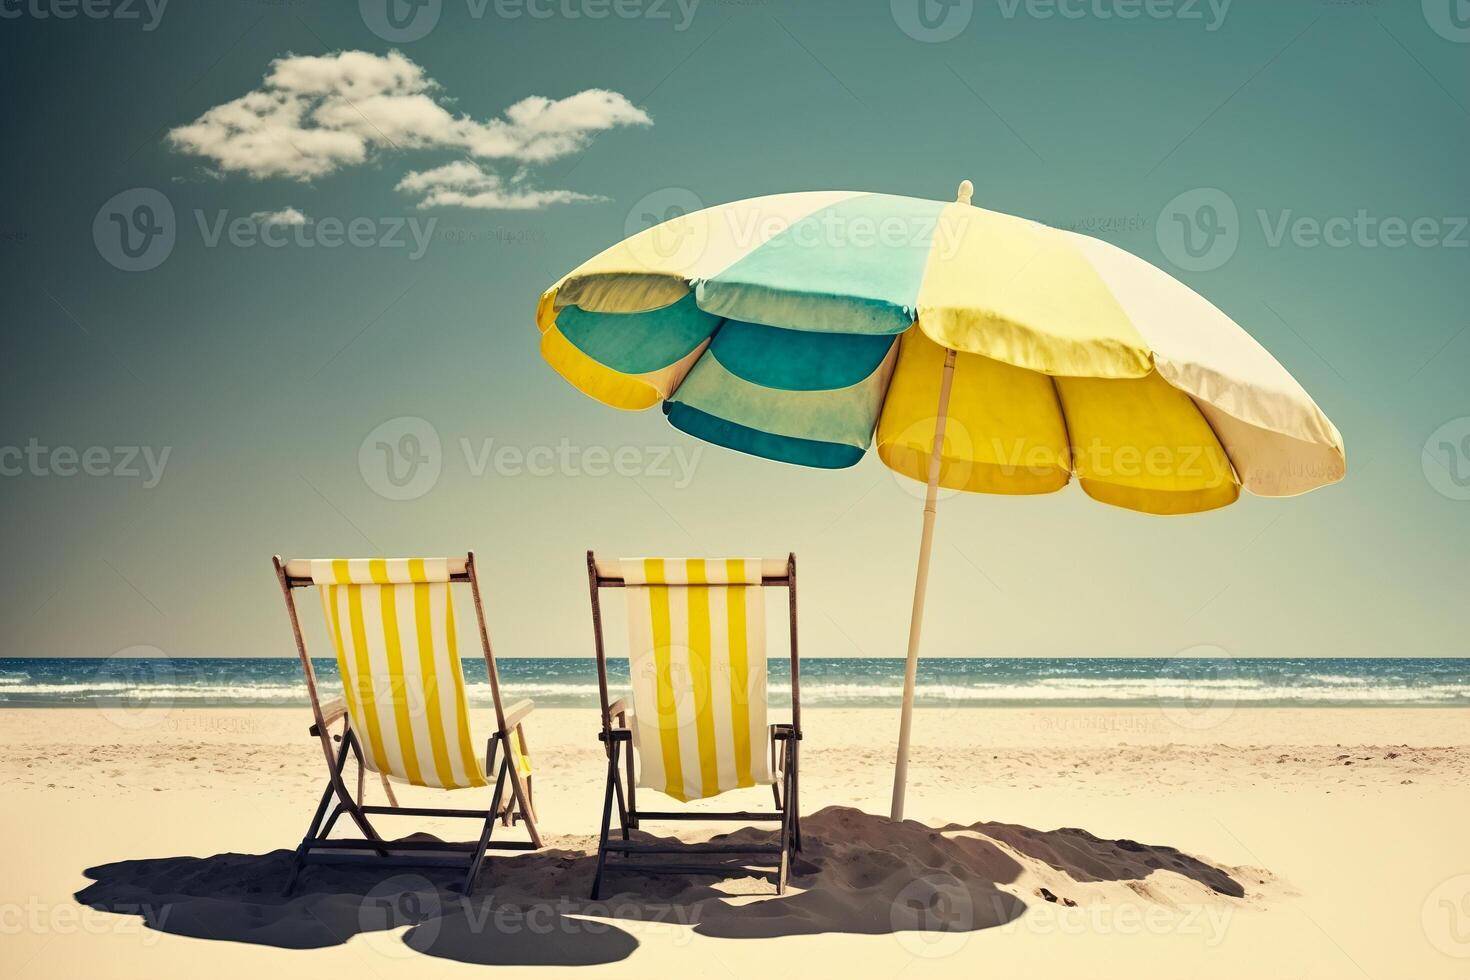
point(1263, 843)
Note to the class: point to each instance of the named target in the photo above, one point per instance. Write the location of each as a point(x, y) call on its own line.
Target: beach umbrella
point(988, 352)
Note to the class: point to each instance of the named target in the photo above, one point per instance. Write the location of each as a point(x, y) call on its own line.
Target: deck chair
point(697, 723)
point(404, 713)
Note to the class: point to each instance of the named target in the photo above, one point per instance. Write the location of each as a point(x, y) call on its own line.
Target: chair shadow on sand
point(857, 874)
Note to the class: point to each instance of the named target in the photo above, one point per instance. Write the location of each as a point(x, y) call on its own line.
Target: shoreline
point(1163, 710)
point(1048, 683)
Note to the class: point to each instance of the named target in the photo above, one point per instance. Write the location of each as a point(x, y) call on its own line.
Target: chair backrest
point(391, 624)
point(697, 667)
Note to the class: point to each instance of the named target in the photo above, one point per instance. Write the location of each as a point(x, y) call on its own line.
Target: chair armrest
point(517, 713)
point(782, 733)
point(331, 711)
point(616, 735)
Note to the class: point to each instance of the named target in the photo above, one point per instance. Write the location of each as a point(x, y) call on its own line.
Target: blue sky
point(268, 363)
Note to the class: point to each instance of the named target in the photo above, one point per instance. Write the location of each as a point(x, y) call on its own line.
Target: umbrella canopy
point(987, 352)
point(792, 326)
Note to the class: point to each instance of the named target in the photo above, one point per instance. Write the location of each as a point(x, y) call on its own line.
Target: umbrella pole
point(921, 586)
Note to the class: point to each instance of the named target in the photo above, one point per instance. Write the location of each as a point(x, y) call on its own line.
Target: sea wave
point(1053, 691)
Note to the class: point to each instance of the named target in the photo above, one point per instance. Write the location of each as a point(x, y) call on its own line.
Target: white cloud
point(468, 185)
point(315, 115)
point(285, 216)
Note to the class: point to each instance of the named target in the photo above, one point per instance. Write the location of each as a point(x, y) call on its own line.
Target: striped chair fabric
point(697, 659)
point(392, 624)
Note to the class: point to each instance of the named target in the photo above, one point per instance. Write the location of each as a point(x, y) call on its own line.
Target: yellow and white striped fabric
point(697, 659)
point(392, 624)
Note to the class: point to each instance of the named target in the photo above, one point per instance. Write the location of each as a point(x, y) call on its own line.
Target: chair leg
point(784, 869)
point(623, 815)
point(625, 805)
point(632, 793)
point(492, 752)
point(795, 801)
point(607, 804)
point(523, 800)
point(775, 768)
point(353, 807)
point(520, 736)
point(479, 856)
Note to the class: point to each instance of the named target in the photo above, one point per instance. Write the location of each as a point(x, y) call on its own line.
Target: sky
point(180, 405)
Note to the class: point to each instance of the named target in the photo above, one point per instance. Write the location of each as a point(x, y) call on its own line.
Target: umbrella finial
point(966, 191)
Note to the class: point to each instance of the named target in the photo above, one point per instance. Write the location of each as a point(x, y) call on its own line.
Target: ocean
point(842, 682)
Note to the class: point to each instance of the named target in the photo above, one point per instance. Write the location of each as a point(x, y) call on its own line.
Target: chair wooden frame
point(617, 740)
point(317, 848)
